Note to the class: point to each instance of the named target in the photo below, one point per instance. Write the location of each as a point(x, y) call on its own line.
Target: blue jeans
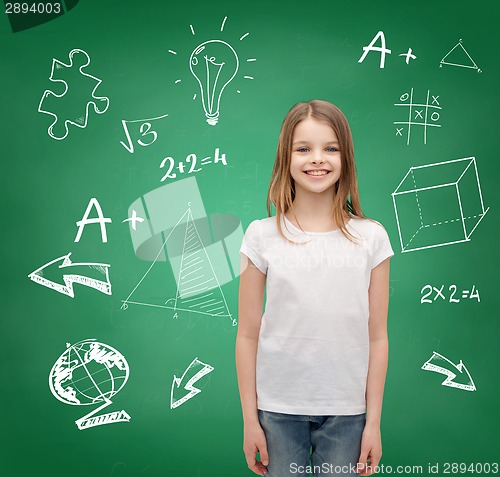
point(322, 445)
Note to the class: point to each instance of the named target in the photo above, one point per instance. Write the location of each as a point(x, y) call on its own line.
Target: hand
point(255, 441)
point(371, 450)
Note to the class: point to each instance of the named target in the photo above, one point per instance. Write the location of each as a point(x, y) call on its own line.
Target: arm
point(250, 301)
point(378, 293)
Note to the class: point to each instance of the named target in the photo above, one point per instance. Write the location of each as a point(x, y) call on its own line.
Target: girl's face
point(315, 163)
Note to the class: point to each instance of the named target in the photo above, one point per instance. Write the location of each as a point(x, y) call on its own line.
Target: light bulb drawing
point(214, 64)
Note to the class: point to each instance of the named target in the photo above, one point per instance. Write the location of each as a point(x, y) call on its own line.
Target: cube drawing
point(438, 204)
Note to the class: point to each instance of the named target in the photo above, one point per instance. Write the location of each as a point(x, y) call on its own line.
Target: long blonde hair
point(282, 186)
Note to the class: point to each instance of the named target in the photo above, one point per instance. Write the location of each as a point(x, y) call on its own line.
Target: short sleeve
point(252, 246)
point(380, 247)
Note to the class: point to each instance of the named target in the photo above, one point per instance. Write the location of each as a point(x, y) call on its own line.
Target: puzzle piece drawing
point(74, 101)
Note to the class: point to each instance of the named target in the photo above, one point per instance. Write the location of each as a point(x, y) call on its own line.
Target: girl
point(312, 368)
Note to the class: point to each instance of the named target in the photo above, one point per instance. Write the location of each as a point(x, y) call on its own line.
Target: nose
point(317, 159)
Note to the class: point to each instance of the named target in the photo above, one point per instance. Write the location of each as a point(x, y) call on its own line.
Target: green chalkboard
point(105, 112)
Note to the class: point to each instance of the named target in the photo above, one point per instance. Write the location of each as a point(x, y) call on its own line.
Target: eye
point(302, 149)
point(331, 149)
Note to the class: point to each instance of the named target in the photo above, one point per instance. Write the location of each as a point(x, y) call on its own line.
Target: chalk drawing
point(183, 388)
point(438, 204)
point(100, 219)
point(187, 240)
point(148, 135)
point(439, 364)
point(73, 272)
point(381, 49)
point(409, 55)
point(189, 165)
point(198, 289)
point(134, 219)
point(418, 114)
point(214, 64)
point(458, 56)
point(428, 290)
point(100, 103)
point(90, 373)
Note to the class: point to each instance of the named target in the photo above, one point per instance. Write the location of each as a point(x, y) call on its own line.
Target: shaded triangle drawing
point(198, 289)
point(458, 56)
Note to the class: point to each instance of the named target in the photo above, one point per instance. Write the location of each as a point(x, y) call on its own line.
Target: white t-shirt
point(313, 346)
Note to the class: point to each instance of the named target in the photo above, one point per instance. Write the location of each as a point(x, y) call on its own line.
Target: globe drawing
point(87, 373)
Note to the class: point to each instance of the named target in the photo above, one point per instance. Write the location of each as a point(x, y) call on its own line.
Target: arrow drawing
point(192, 391)
point(437, 362)
point(73, 273)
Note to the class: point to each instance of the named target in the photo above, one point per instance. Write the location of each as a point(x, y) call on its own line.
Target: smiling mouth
point(321, 172)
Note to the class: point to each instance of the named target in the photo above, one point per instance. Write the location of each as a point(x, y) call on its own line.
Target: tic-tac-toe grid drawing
point(417, 114)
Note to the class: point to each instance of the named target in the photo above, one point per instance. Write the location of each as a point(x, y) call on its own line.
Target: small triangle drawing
point(198, 289)
point(458, 56)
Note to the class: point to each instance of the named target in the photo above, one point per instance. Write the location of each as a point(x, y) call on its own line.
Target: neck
point(316, 207)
